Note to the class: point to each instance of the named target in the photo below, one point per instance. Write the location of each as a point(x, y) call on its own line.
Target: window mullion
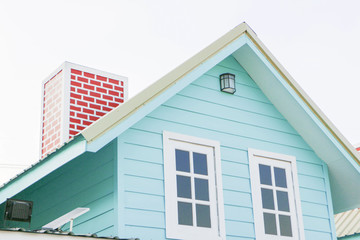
point(200, 176)
point(192, 188)
point(275, 201)
point(184, 174)
point(181, 199)
point(201, 202)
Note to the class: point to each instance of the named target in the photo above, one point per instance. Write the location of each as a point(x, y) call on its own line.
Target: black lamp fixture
point(18, 210)
point(227, 83)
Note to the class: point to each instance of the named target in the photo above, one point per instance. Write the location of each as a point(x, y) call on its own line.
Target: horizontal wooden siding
point(244, 120)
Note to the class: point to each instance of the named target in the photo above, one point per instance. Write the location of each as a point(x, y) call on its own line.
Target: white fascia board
point(142, 104)
point(49, 164)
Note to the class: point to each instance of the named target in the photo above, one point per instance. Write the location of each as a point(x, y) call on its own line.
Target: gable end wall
point(244, 120)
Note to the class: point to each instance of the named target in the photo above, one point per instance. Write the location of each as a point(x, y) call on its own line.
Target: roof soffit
point(39, 170)
point(309, 122)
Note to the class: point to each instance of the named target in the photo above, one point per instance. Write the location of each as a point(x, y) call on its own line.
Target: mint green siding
point(87, 181)
point(244, 120)
point(123, 183)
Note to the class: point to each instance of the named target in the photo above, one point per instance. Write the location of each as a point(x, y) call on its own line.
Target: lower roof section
point(20, 234)
point(55, 160)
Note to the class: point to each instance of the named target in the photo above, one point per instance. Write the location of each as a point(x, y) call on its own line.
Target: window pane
point(203, 216)
point(201, 189)
point(265, 174)
point(183, 186)
point(182, 160)
point(270, 223)
point(280, 177)
point(283, 201)
point(185, 216)
point(285, 225)
point(200, 164)
point(267, 198)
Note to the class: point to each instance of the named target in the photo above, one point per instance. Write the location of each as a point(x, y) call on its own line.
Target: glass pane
point(200, 164)
point(280, 177)
point(203, 216)
point(182, 160)
point(285, 225)
point(185, 216)
point(265, 174)
point(283, 201)
point(267, 198)
point(201, 189)
point(183, 186)
point(232, 83)
point(270, 223)
point(226, 82)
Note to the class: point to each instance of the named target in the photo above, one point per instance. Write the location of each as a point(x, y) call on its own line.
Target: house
point(185, 160)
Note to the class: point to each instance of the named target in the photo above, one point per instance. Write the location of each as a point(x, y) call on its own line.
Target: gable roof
point(276, 83)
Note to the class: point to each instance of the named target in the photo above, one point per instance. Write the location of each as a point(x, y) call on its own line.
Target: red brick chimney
point(74, 97)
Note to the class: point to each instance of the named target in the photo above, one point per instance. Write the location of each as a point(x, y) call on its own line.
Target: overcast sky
point(317, 41)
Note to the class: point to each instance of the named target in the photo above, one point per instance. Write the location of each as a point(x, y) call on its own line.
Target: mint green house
point(185, 160)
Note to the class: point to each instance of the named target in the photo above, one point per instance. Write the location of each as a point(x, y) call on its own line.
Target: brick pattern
point(52, 105)
point(91, 97)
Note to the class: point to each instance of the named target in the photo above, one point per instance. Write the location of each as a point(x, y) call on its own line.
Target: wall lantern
point(227, 83)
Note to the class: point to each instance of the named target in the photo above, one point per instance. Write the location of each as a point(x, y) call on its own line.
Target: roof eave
point(305, 98)
point(134, 104)
point(123, 112)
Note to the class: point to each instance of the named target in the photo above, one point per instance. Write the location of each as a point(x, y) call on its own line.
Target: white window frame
point(172, 141)
point(287, 162)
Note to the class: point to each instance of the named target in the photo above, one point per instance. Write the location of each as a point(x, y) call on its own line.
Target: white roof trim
point(128, 108)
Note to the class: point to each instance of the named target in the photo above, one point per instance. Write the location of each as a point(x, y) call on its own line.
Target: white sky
point(317, 41)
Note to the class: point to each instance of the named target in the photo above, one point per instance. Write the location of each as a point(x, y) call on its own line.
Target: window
point(193, 188)
point(275, 195)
